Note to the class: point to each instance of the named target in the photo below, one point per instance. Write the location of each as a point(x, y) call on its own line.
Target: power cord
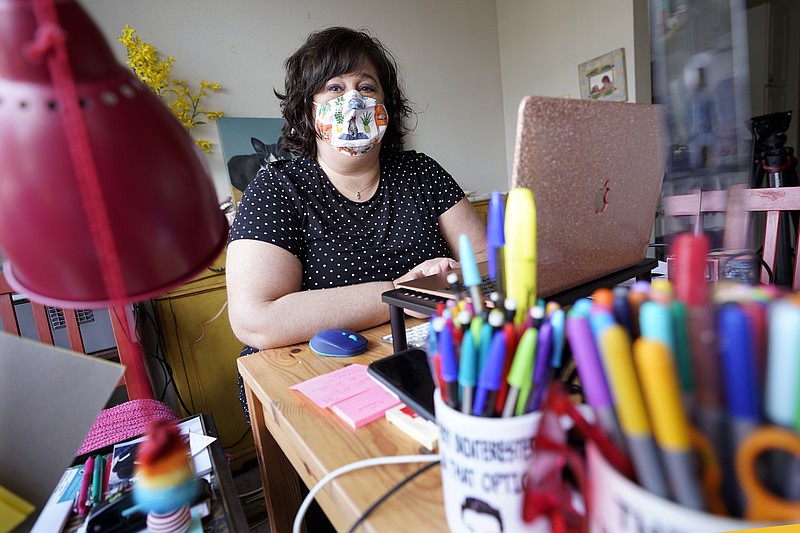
point(374, 461)
point(389, 493)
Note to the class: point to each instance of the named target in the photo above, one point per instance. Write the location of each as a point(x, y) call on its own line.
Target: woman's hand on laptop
point(438, 265)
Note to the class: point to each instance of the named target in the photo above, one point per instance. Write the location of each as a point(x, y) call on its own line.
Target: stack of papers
point(350, 393)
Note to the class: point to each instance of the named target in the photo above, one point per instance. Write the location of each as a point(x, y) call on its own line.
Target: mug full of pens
point(484, 465)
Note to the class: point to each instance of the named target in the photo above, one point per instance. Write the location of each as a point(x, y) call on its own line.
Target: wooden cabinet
point(202, 351)
point(481, 205)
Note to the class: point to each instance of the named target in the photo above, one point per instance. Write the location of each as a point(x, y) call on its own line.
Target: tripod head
point(770, 133)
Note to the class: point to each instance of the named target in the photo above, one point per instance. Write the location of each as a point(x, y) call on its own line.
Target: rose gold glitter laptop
point(595, 169)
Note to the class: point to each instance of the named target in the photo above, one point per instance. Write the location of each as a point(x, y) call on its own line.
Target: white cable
point(374, 461)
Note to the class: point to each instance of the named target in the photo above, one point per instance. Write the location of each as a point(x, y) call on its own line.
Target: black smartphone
point(408, 374)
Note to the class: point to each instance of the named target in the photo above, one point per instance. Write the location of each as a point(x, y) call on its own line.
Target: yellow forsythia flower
point(156, 73)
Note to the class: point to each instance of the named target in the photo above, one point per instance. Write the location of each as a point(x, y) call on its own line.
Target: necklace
point(358, 193)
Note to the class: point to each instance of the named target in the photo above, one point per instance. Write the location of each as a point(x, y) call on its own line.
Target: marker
point(659, 383)
point(599, 319)
point(735, 348)
point(590, 370)
point(469, 270)
point(83, 492)
point(603, 297)
point(615, 348)
point(487, 332)
point(496, 240)
point(683, 357)
point(521, 372)
point(510, 306)
point(467, 372)
point(544, 351)
point(490, 377)
point(97, 481)
point(447, 352)
point(520, 249)
point(781, 391)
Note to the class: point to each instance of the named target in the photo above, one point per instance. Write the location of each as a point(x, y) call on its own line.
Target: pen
point(447, 353)
point(487, 333)
point(615, 348)
point(544, 350)
point(510, 333)
point(455, 286)
point(520, 249)
point(83, 492)
point(469, 270)
point(521, 372)
point(495, 240)
point(600, 319)
point(557, 323)
point(467, 372)
point(671, 428)
point(590, 370)
point(490, 378)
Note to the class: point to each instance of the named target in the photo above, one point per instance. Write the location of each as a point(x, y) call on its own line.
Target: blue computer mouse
point(338, 343)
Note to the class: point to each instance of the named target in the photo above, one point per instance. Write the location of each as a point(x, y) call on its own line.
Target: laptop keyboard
point(487, 287)
point(416, 336)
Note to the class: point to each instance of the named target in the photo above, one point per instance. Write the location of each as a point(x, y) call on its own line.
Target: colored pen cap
point(469, 268)
point(544, 352)
point(603, 297)
point(495, 233)
point(581, 307)
point(781, 391)
point(655, 323)
point(557, 321)
point(599, 320)
point(468, 361)
point(691, 252)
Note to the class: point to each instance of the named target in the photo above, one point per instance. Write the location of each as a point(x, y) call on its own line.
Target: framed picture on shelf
point(248, 145)
point(603, 78)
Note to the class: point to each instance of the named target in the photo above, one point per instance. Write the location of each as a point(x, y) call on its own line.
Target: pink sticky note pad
point(363, 408)
point(333, 387)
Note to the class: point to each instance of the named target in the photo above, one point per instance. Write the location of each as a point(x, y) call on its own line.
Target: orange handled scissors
point(763, 505)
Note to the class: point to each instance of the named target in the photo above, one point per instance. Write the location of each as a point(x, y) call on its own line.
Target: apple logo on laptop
point(601, 198)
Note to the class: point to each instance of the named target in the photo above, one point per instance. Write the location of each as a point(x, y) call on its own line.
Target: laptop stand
point(401, 299)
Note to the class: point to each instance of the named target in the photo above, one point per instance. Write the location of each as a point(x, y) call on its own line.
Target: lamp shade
point(161, 205)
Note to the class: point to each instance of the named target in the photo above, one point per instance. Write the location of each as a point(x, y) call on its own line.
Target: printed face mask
point(352, 123)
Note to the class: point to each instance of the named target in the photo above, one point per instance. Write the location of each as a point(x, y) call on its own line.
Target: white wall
point(542, 42)
point(447, 49)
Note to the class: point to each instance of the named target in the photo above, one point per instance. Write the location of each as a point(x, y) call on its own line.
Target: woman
point(317, 240)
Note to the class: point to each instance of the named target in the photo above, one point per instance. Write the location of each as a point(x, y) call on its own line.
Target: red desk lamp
point(104, 199)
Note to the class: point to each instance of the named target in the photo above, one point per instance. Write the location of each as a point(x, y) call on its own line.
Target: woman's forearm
point(296, 317)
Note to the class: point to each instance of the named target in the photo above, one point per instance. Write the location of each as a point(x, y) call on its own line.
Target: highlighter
point(615, 349)
point(662, 396)
point(469, 270)
point(520, 249)
point(86, 482)
point(521, 372)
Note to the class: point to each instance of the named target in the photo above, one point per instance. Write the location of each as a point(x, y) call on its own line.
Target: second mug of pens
point(484, 466)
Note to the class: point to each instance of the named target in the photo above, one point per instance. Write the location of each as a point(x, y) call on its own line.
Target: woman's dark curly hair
point(326, 54)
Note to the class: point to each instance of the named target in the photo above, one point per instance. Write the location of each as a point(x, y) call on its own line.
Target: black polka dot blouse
point(339, 242)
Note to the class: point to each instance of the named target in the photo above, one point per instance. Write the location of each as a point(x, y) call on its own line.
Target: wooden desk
point(293, 436)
